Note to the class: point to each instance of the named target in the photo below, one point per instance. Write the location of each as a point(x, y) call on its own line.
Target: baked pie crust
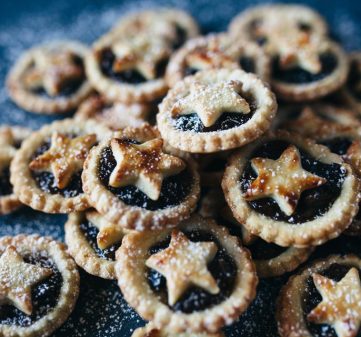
point(27, 188)
point(12, 250)
point(49, 67)
point(315, 230)
point(115, 115)
point(201, 94)
point(134, 256)
point(82, 251)
point(10, 138)
point(141, 174)
point(216, 51)
point(339, 305)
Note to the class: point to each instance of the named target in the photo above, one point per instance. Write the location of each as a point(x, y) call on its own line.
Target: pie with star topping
point(216, 110)
point(50, 78)
point(39, 285)
point(195, 278)
point(290, 191)
point(139, 182)
point(322, 300)
point(305, 63)
point(151, 331)
point(217, 51)
point(46, 170)
point(92, 241)
point(11, 138)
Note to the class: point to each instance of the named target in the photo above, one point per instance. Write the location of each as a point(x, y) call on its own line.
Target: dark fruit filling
point(354, 80)
point(174, 188)
point(190, 71)
point(314, 202)
point(312, 298)
point(247, 64)
point(181, 37)
point(130, 76)
point(297, 75)
point(45, 180)
point(226, 121)
point(5, 186)
point(45, 296)
point(222, 268)
point(338, 145)
point(91, 232)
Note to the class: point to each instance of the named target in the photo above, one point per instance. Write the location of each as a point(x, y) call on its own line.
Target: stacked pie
point(192, 168)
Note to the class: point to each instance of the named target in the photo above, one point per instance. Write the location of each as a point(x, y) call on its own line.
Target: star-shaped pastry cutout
point(144, 166)
point(109, 234)
point(184, 264)
point(52, 71)
point(283, 180)
point(65, 157)
point(142, 53)
point(203, 58)
point(210, 101)
point(17, 278)
point(341, 303)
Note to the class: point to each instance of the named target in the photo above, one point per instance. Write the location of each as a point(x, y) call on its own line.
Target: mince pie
point(138, 182)
point(92, 241)
point(217, 51)
point(351, 92)
point(39, 285)
point(50, 78)
point(11, 138)
point(46, 170)
point(305, 64)
point(290, 191)
point(115, 115)
point(216, 110)
point(196, 278)
point(151, 331)
point(323, 300)
point(270, 259)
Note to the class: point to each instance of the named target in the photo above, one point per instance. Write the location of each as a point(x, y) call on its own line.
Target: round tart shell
point(289, 311)
point(130, 270)
point(309, 233)
point(26, 188)
point(134, 217)
point(28, 244)
point(205, 142)
point(35, 103)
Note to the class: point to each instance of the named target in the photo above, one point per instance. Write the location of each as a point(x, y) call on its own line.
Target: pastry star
point(17, 278)
point(208, 59)
point(142, 53)
point(52, 70)
point(144, 166)
point(341, 303)
point(283, 179)
point(209, 101)
point(184, 264)
point(109, 234)
point(65, 157)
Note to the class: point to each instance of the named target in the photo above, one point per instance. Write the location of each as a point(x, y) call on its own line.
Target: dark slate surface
point(101, 311)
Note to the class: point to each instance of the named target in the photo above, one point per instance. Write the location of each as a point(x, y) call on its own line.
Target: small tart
point(50, 78)
point(351, 92)
point(11, 138)
point(270, 259)
point(322, 300)
point(197, 295)
point(92, 241)
point(151, 331)
point(290, 191)
point(216, 51)
point(40, 285)
point(137, 184)
point(46, 170)
point(216, 110)
point(115, 115)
